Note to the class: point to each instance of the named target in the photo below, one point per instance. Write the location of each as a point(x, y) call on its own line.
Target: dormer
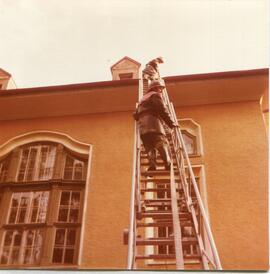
point(126, 68)
point(6, 81)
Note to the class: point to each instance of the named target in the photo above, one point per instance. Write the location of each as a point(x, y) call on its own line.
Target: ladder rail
point(194, 184)
point(176, 223)
point(132, 222)
point(135, 192)
point(187, 192)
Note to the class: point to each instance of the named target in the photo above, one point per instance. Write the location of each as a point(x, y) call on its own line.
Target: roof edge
point(113, 83)
point(217, 75)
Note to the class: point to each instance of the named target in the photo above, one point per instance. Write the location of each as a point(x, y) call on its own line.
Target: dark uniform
point(149, 114)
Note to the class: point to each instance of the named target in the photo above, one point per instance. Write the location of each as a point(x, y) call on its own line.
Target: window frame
point(124, 76)
point(35, 175)
point(53, 185)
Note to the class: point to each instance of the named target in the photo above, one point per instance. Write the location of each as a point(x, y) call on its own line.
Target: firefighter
point(151, 71)
point(149, 114)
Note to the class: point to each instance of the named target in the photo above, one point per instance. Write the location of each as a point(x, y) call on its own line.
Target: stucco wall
point(235, 147)
point(235, 161)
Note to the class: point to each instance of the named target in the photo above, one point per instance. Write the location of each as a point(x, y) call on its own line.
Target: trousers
point(152, 143)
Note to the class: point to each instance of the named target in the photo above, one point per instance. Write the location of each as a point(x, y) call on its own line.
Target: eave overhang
point(219, 87)
point(122, 95)
point(76, 99)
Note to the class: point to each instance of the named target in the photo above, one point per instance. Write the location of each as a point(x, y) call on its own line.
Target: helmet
point(154, 84)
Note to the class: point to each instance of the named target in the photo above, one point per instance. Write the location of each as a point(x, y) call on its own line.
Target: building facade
point(66, 155)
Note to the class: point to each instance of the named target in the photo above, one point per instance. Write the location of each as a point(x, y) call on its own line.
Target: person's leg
point(147, 140)
point(165, 156)
point(163, 149)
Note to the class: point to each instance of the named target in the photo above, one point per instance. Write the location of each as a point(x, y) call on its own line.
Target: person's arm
point(161, 110)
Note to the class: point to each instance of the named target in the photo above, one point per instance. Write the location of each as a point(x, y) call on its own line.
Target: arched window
point(42, 187)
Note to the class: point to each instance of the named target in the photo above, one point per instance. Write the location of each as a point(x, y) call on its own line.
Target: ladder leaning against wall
point(168, 223)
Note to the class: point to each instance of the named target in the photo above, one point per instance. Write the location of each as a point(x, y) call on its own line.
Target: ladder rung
point(165, 241)
point(159, 200)
point(158, 204)
point(166, 256)
point(159, 163)
point(159, 180)
point(163, 224)
point(183, 215)
point(158, 190)
point(155, 257)
point(158, 158)
point(157, 172)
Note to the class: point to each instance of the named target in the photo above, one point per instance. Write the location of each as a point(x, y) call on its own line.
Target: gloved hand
point(135, 115)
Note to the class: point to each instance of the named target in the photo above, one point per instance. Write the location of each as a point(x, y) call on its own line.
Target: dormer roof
point(4, 74)
point(126, 58)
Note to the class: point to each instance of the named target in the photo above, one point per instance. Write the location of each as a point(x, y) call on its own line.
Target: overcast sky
point(57, 42)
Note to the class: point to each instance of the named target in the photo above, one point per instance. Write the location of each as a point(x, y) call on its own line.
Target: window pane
point(8, 238)
point(74, 215)
point(60, 237)
point(64, 246)
point(189, 143)
point(65, 197)
point(34, 215)
point(24, 158)
point(30, 208)
point(3, 170)
point(63, 215)
point(14, 256)
point(57, 255)
point(4, 257)
point(47, 159)
point(12, 216)
point(27, 256)
point(31, 164)
point(15, 200)
point(36, 254)
point(71, 237)
point(162, 249)
point(75, 199)
point(30, 238)
point(78, 172)
point(68, 168)
point(44, 199)
point(17, 238)
point(69, 256)
point(22, 215)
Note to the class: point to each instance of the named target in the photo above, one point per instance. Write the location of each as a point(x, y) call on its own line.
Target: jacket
point(150, 113)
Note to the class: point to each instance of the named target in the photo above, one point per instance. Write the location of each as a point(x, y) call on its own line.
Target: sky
point(57, 42)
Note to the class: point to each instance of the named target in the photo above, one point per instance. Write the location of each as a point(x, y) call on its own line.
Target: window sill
point(43, 183)
point(41, 267)
point(26, 225)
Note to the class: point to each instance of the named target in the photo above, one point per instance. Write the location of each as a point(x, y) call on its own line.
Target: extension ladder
point(169, 227)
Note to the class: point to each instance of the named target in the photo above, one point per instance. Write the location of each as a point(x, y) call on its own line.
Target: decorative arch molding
point(44, 135)
point(193, 128)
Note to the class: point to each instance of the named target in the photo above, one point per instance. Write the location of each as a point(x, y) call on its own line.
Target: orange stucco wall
point(236, 164)
point(235, 158)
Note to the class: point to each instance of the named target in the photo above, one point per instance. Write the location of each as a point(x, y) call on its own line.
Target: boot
point(165, 156)
point(152, 160)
